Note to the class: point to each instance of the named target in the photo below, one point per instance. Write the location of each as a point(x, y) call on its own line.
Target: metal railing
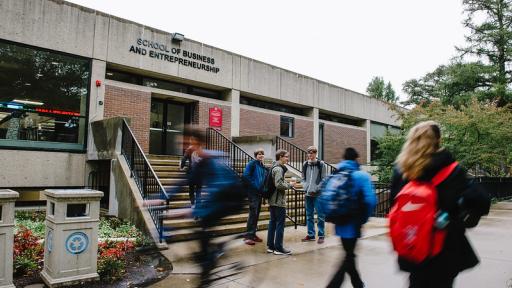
point(297, 155)
point(383, 192)
point(234, 156)
point(145, 177)
point(499, 188)
point(295, 206)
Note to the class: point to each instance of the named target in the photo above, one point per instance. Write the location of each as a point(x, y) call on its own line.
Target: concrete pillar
point(368, 141)
point(234, 96)
point(7, 199)
point(71, 241)
point(316, 127)
point(96, 101)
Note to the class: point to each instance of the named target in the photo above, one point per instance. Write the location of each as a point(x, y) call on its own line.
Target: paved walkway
point(312, 264)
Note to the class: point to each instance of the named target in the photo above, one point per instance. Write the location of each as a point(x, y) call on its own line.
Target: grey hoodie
point(310, 182)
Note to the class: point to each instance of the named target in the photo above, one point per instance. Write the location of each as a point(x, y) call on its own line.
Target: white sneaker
point(270, 250)
point(282, 252)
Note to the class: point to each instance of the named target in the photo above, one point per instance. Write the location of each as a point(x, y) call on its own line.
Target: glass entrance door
point(167, 126)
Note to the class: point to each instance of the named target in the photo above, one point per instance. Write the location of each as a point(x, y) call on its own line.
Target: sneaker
point(270, 250)
point(257, 239)
point(308, 238)
point(282, 252)
point(249, 241)
point(321, 240)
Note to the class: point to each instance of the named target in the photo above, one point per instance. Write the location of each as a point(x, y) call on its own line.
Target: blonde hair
point(422, 141)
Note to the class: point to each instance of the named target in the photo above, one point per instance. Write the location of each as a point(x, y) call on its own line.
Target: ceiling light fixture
point(28, 102)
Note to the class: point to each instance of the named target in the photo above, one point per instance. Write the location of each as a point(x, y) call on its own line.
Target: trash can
point(71, 237)
point(7, 199)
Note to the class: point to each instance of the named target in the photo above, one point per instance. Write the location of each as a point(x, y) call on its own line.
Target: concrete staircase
point(167, 170)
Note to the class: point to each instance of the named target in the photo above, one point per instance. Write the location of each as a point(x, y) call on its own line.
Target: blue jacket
point(254, 175)
point(362, 183)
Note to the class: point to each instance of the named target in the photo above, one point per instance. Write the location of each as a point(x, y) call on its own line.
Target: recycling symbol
point(77, 243)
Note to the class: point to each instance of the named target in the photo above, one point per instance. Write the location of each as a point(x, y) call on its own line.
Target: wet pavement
point(312, 264)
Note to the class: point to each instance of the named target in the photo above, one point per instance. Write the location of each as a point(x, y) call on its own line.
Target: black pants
point(424, 279)
point(194, 193)
point(254, 214)
point(348, 265)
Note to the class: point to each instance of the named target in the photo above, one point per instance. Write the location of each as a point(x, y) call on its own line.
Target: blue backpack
point(336, 200)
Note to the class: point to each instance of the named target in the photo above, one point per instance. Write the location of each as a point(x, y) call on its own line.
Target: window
point(342, 120)
point(287, 127)
point(43, 98)
point(162, 84)
point(272, 106)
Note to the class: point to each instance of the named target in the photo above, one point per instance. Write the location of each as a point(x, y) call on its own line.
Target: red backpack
point(412, 219)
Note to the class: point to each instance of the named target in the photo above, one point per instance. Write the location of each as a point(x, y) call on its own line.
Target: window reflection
point(43, 98)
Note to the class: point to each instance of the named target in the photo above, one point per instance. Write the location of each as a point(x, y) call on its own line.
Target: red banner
point(216, 117)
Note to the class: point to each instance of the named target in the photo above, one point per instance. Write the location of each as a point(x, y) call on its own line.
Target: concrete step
point(171, 174)
point(171, 181)
point(164, 162)
point(163, 157)
point(166, 168)
point(228, 229)
point(189, 223)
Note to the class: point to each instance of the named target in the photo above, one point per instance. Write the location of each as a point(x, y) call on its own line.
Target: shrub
point(112, 259)
point(28, 253)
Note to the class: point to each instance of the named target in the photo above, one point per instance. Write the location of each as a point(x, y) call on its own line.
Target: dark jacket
point(457, 254)
point(254, 176)
point(279, 197)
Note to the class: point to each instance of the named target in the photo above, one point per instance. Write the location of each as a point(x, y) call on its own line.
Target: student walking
point(313, 171)
point(420, 161)
point(254, 176)
point(277, 204)
point(191, 156)
point(349, 233)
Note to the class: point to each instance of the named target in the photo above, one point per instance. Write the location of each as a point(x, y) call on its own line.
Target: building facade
point(63, 66)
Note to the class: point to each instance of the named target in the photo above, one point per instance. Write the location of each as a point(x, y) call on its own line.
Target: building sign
point(174, 55)
point(216, 117)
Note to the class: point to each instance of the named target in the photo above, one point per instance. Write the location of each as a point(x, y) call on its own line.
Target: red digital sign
point(216, 117)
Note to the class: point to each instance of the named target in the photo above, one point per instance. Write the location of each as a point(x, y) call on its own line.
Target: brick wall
point(337, 138)
point(203, 118)
point(132, 104)
point(261, 123)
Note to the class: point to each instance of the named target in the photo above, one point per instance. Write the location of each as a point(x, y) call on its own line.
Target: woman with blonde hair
point(421, 158)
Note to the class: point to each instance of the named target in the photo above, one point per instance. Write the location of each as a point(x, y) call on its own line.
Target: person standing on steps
point(313, 171)
point(277, 204)
point(254, 176)
point(191, 156)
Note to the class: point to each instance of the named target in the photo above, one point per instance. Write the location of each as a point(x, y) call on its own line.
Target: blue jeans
point(311, 206)
point(276, 228)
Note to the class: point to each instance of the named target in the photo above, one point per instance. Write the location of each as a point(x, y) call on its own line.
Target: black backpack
point(269, 186)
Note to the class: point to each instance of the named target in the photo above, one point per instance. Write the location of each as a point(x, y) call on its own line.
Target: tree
point(490, 39)
point(478, 134)
point(377, 88)
point(487, 75)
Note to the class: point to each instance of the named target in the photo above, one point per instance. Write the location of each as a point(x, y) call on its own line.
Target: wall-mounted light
point(177, 37)
point(28, 102)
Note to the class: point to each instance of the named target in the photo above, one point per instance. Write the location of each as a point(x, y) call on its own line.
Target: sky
point(343, 42)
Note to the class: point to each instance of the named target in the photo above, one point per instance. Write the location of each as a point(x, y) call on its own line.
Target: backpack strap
point(444, 173)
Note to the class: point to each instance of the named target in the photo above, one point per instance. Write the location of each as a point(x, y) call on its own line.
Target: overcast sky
point(343, 42)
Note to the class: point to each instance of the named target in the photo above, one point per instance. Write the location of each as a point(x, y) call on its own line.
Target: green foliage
point(487, 74)
point(479, 136)
point(116, 228)
point(377, 88)
point(112, 259)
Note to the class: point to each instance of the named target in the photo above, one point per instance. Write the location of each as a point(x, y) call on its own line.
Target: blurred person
point(277, 204)
point(361, 185)
point(421, 159)
point(188, 161)
point(222, 196)
point(254, 177)
point(313, 171)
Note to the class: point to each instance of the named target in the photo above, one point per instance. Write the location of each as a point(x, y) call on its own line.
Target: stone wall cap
point(8, 194)
point(73, 193)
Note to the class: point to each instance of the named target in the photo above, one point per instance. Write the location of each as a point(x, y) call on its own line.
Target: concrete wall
point(337, 137)
point(66, 27)
point(21, 168)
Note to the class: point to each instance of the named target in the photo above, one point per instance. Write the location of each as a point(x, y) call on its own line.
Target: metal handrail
point(235, 157)
point(299, 213)
point(145, 177)
point(297, 155)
